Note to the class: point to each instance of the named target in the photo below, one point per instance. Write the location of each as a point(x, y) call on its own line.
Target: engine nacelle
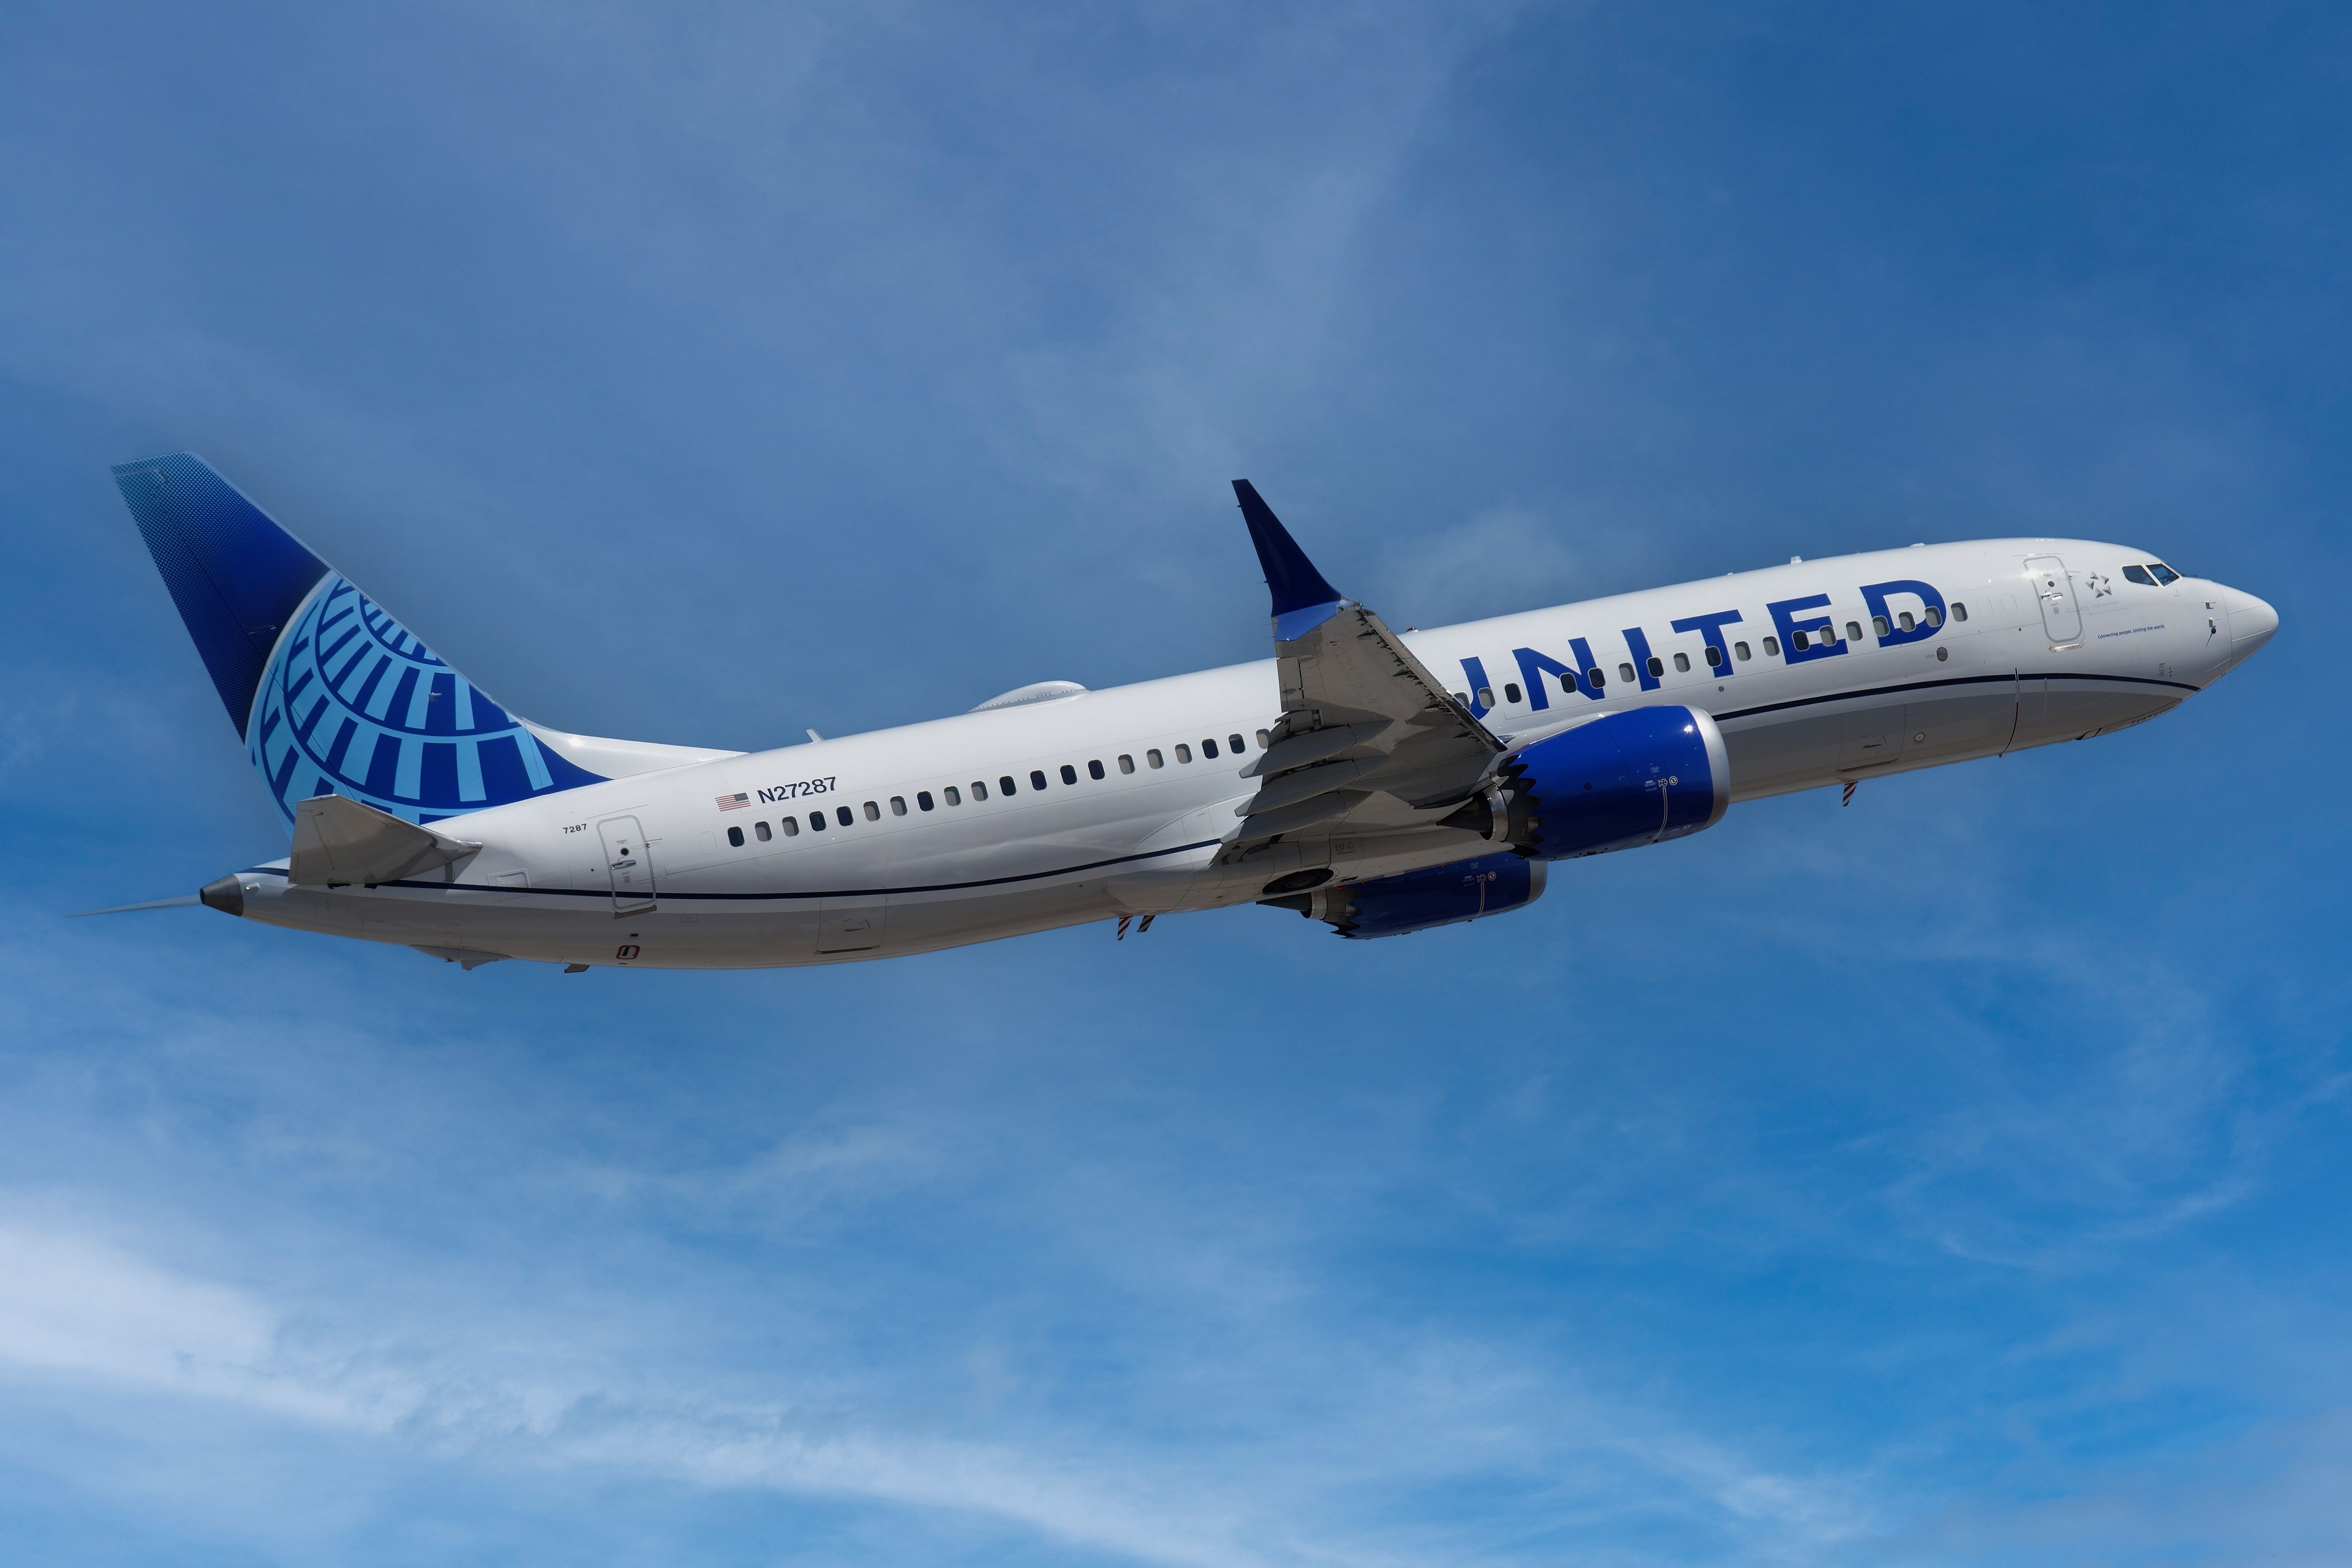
point(1418, 900)
point(1637, 777)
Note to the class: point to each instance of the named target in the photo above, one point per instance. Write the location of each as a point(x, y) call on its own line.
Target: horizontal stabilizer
point(339, 841)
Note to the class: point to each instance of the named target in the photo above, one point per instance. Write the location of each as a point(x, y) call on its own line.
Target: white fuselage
point(642, 870)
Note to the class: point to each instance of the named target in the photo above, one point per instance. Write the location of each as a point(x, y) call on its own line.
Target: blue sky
point(1954, 1178)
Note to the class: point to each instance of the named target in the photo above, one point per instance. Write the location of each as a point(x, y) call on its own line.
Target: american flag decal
point(733, 802)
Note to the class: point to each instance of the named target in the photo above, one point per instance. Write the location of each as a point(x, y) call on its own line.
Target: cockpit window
point(2164, 573)
point(2138, 574)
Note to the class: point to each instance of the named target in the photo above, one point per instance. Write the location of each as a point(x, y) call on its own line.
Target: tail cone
point(224, 893)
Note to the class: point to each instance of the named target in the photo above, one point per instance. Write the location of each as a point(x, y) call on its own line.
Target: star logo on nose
point(2101, 586)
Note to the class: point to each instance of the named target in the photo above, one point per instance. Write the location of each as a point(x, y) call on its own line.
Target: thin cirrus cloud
point(74, 1308)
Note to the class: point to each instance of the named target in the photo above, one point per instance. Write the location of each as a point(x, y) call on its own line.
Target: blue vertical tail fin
point(331, 693)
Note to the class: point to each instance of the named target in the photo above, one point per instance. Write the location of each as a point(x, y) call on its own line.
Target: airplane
point(1379, 782)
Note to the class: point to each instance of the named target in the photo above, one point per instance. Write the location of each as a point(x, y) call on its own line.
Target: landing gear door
point(631, 868)
point(2062, 617)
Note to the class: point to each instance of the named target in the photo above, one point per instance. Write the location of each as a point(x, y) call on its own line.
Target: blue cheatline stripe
point(776, 897)
point(1949, 681)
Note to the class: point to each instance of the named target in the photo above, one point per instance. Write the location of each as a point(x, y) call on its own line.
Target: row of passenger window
point(1598, 679)
point(1006, 785)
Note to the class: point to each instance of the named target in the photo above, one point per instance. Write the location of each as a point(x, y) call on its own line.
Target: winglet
point(1302, 599)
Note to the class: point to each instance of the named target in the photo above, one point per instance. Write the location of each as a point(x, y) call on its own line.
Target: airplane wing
point(1368, 736)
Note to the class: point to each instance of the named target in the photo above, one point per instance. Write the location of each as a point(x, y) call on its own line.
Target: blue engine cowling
point(1418, 900)
point(1636, 777)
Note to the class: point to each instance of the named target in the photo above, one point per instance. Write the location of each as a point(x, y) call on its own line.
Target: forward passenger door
point(2061, 616)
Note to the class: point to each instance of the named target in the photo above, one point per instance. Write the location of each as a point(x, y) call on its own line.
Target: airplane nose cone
point(2252, 622)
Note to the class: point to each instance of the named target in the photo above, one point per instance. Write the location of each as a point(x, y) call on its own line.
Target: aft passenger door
point(2061, 616)
point(629, 864)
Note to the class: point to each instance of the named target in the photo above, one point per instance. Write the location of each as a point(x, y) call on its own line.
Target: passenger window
point(1184, 753)
point(1595, 679)
point(1510, 691)
point(1959, 611)
point(1234, 741)
point(735, 837)
point(978, 790)
point(1658, 666)
point(1908, 624)
point(1878, 624)
point(1154, 758)
point(1935, 616)
point(847, 817)
point(760, 830)
point(1772, 647)
point(1006, 787)
point(816, 821)
point(1036, 780)
point(1208, 749)
point(1126, 763)
point(898, 805)
point(1797, 640)
point(1485, 696)
point(1070, 774)
point(923, 800)
point(954, 796)
point(873, 812)
point(1740, 650)
point(1714, 657)
point(1463, 698)
point(1681, 662)
point(1853, 631)
point(2164, 574)
point(1264, 741)
point(1094, 770)
point(2138, 574)
point(1624, 671)
point(792, 826)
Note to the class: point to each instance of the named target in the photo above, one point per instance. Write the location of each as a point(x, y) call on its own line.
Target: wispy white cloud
point(76, 1307)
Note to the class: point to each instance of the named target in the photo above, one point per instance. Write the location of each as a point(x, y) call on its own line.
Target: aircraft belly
point(1952, 725)
point(2057, 707)
point(1775, 753)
